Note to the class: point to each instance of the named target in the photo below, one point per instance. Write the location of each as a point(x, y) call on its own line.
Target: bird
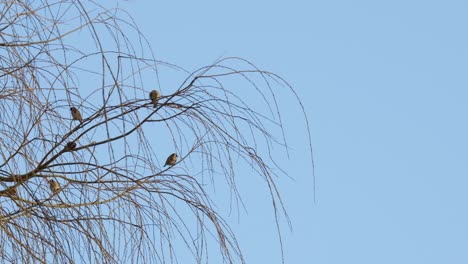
point(76, 114)
point(171, 160)
point(70, 146)
point(54, 186)
point(154, 97)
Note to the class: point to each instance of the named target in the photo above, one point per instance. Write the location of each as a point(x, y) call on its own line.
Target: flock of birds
point(76, 115)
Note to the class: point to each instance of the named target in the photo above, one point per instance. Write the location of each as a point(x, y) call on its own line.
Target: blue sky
point(384, 85)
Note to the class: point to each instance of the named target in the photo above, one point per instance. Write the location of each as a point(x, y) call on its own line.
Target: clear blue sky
point(385, 86)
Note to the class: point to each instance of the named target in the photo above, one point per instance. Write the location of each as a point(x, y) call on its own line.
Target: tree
point(95, 190)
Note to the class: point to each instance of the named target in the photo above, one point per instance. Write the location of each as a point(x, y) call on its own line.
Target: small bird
point(54, 186)
point(70, 146)
point(171, 160)
point(154, 97)
point(76, 114)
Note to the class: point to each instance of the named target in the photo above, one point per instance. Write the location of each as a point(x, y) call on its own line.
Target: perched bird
point(70, 146)
point(76, 114)
point(154, 97)
point(54, 186)
point(171, 160)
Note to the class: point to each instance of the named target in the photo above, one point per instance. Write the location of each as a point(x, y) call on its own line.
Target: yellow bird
point(171, 160)
point(154, 97)
point(76, 114)
point(54, 186)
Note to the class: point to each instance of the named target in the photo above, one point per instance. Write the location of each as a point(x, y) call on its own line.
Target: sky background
point(385, 87)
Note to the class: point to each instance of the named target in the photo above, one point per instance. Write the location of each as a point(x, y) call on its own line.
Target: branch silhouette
point(84, 120)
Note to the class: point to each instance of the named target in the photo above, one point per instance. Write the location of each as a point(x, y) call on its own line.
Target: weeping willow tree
point(94, 188)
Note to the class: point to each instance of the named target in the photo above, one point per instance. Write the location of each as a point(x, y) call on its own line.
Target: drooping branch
point(98, 191)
